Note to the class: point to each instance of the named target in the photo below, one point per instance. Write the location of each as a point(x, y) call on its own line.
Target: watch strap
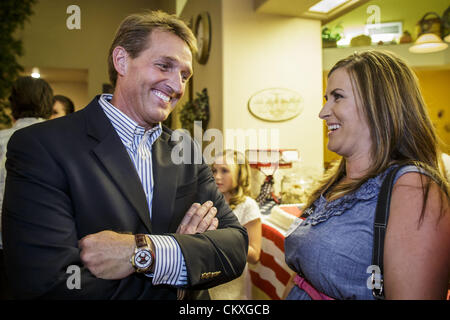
point(141, 241)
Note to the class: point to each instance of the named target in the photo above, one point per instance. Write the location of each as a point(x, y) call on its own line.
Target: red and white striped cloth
point(271, 274)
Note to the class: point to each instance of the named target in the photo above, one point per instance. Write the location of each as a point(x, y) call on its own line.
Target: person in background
point(62, 106)
point(100, 192)
point(377, 120)
point(31, 102)
point(232, 175)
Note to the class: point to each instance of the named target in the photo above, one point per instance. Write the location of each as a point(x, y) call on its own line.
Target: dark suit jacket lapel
point(165, 181)
point(111, 152)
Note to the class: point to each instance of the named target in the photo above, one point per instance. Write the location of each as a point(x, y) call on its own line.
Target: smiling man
point(98, 190)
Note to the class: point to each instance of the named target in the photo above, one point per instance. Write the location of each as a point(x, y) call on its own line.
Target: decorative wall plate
point(275, 104)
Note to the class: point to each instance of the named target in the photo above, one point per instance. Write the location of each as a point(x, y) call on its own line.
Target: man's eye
point(163, 67)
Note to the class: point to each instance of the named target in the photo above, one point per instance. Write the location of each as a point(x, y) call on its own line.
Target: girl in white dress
point(232, 175)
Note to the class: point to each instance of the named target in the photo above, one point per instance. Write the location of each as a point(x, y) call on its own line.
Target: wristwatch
point(143, 257)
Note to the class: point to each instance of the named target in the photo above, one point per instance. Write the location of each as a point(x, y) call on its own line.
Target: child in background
point(232, 175)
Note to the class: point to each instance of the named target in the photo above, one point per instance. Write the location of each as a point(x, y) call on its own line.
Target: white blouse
point(239, 288)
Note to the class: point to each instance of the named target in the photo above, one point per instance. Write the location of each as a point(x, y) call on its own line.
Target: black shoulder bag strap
point(380, 224)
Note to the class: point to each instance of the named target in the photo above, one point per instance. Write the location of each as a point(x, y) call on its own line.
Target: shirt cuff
point(170, 267)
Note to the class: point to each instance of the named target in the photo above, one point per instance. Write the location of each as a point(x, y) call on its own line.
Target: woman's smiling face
point(348, 131)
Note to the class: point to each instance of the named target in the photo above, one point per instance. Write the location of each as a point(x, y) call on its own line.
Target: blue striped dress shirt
point(170, 267)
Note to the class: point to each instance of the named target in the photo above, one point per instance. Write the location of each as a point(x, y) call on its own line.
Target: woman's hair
point(31, 97)
point(241, 176)
point(134, 32)
point(400, 127)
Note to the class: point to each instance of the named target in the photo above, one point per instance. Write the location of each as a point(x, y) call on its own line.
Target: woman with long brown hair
point(377, 120)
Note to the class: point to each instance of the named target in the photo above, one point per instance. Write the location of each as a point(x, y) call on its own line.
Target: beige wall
point(76, 91)
point(49, 43)
point(435, 85)
point(268, 51)
point(210, 75)
point(251, 52)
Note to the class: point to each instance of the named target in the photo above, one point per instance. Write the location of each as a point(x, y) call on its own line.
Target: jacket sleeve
point(39, 231)
point(215, 256)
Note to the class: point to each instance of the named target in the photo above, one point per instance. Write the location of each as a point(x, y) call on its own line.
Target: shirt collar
point(126, 127)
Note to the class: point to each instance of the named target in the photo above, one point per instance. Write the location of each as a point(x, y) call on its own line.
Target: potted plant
point(195, 110)
point(13, 15)
point(330, 37)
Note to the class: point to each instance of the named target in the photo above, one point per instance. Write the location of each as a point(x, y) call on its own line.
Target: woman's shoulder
point(409, 185)
point(248, 204)
point(249, 201)
point(411, 171)
point(249, 208)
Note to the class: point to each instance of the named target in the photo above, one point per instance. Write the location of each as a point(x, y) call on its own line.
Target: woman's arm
point(417, 255)
point(254, 231)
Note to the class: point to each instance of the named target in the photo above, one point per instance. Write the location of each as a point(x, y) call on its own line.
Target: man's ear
point(120, 60)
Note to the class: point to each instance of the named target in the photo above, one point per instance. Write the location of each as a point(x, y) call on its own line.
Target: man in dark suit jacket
point(75, 197)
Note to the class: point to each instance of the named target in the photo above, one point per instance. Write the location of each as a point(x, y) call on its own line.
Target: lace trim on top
point(325, 210)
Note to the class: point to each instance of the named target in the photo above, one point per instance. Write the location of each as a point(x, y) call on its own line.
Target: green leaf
point(13, 15)
point(195, 110)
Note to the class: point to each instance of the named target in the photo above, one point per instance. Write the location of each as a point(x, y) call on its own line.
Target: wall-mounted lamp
point(430, 37)
point(35, 73)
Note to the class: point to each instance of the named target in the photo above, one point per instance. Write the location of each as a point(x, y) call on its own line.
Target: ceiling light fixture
point(35, 73)
point(428, 42)
point(431, 33)
point(326, 6)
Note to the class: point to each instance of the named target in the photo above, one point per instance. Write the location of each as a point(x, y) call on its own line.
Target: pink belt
point(309, 289)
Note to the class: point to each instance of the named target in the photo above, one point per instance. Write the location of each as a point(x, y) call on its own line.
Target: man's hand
point(199, 218)
point(107, 254)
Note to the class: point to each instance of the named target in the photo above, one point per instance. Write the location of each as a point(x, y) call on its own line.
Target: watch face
point(143, 259)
